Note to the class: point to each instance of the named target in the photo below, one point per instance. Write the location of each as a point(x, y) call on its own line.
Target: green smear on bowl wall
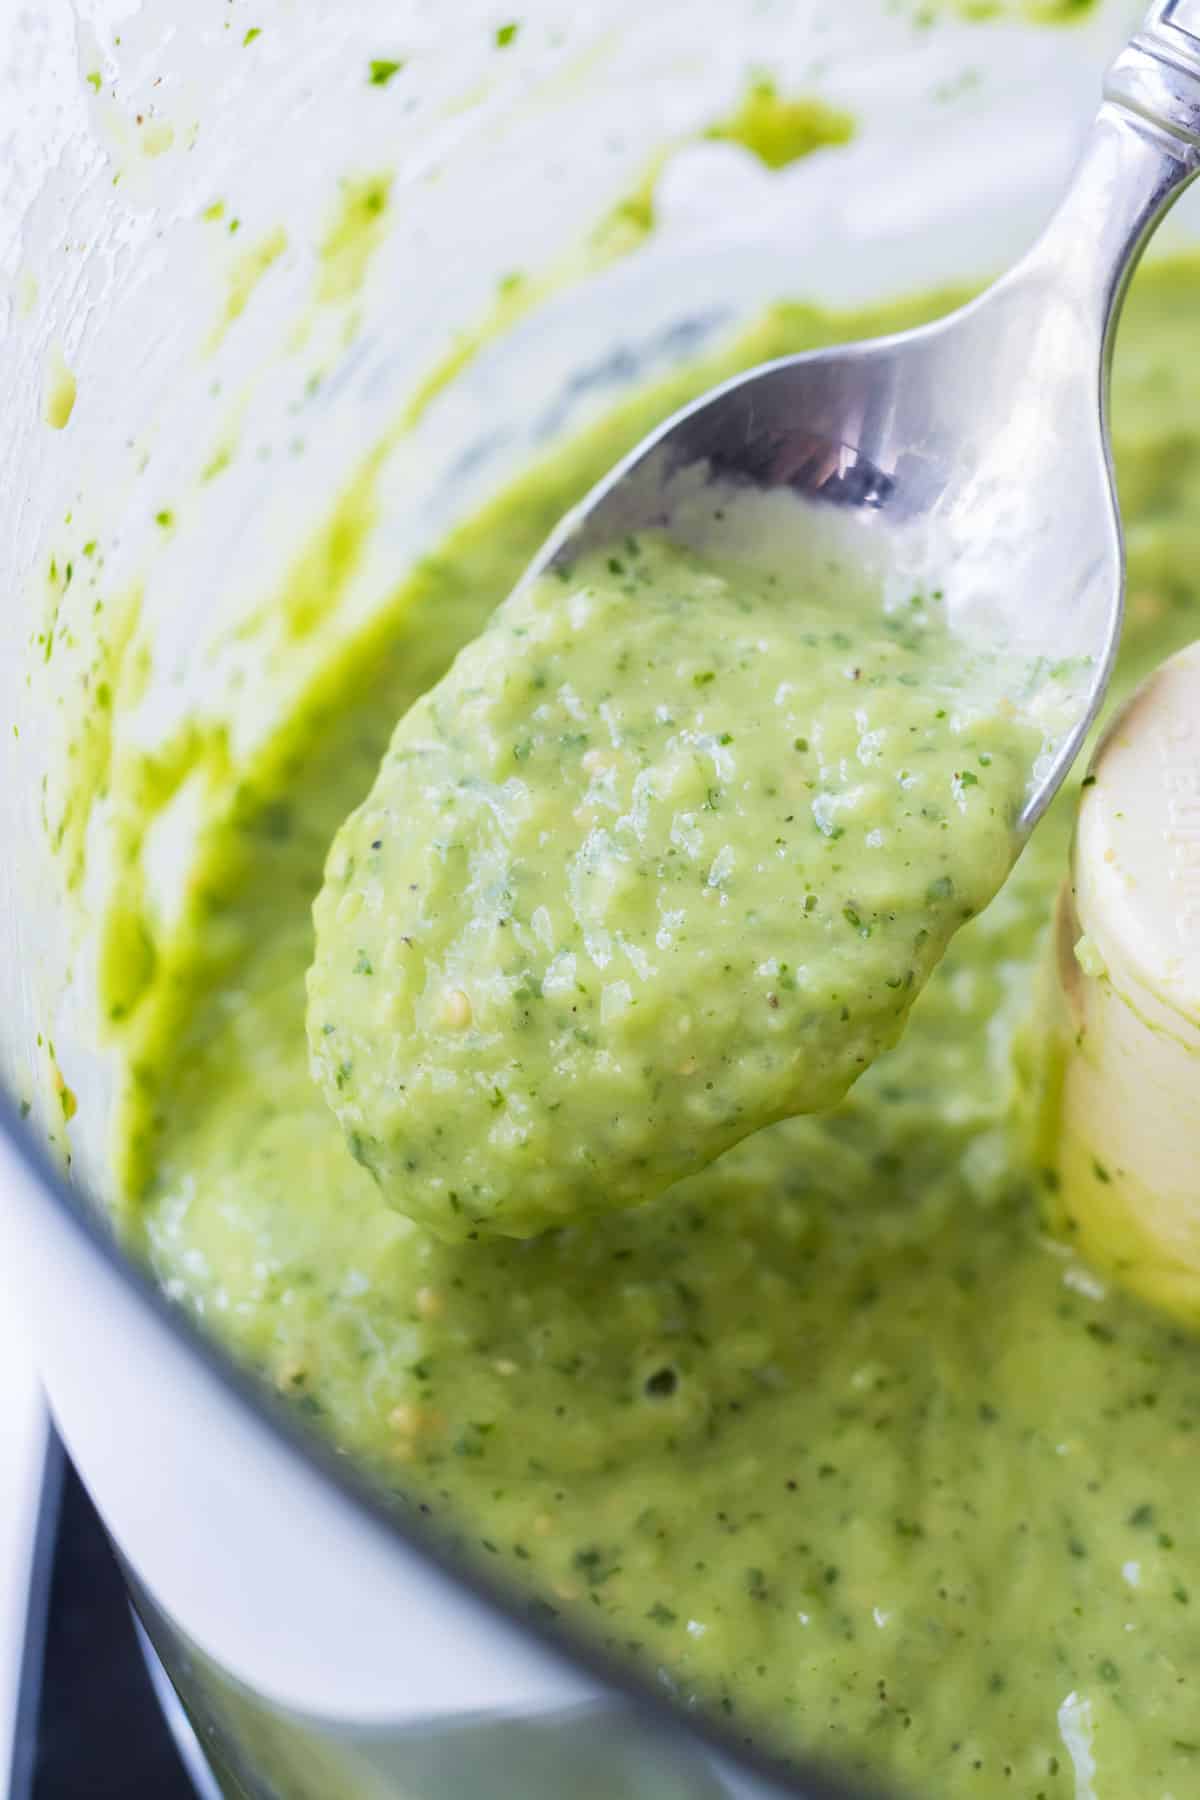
point(778, 130)
point(248, 270)
point(355, 233)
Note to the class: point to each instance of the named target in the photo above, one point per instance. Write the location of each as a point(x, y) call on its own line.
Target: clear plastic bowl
point(174, 180)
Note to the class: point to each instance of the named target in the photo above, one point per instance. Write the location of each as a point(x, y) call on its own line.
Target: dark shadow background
point(89, 1726)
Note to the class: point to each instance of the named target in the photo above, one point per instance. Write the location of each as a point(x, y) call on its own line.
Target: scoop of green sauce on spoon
point(666, 856)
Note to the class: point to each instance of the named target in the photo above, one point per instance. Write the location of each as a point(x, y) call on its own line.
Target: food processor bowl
point(248, 252)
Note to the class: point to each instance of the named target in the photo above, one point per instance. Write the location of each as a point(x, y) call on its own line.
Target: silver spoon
point(974, 451)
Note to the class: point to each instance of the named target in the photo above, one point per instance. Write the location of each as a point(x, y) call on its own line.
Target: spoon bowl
point(971, 456)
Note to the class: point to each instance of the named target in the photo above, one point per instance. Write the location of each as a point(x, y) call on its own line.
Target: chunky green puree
point(664, 858)
point(829, 1437)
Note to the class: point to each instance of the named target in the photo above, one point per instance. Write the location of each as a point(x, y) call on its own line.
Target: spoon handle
point(1168, 17)
point(1142, 151)
point(1157, 75)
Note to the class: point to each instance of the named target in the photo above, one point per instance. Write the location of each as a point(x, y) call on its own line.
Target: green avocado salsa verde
point(828, 1439)
point(665, 857)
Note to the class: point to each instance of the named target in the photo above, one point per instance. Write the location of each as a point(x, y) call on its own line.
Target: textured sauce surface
point(667, 856)
point(829, 1439)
